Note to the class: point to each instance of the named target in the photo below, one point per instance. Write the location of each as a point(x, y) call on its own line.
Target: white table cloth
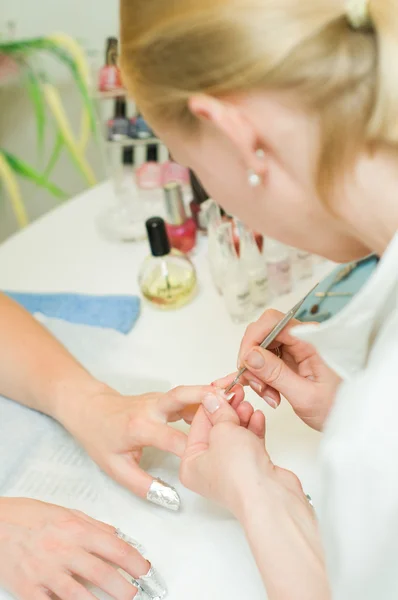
point(201, 552)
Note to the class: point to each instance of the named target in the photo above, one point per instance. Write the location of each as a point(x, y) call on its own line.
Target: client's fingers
point(219, 410)
point(257, 424)
point(247, 378)
point(128, 473)
point(245, 412)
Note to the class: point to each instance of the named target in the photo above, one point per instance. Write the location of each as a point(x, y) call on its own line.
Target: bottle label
point(238, 301)
point(259, 290)
point(280, 276)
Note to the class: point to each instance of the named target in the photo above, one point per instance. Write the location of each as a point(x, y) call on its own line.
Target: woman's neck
point(370, 205)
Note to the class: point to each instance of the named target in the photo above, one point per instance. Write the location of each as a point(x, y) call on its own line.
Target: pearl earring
point(253, 178)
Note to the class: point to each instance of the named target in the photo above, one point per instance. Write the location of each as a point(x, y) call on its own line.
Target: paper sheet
point(201, 551)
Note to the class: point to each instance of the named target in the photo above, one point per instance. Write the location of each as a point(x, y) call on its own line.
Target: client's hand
point(114, 430)
point(45, 548)
point(299, 374)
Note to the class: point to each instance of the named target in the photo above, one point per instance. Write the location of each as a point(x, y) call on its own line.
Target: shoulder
point(366, 406)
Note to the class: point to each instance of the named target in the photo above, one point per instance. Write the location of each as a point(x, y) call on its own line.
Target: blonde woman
point(288, 112)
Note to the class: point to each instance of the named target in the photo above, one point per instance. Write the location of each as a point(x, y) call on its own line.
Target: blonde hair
point(173, 49)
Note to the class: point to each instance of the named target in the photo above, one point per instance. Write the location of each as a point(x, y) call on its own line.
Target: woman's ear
point(228, 117)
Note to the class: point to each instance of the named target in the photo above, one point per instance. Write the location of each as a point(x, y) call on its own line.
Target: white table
point(63, 251)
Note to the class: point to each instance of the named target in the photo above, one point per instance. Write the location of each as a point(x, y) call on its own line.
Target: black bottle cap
point(157, 236)
point(120, 108)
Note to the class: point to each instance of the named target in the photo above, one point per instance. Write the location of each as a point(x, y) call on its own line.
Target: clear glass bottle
point(254, 264)
point(303, 264)
point(279, 267)
point(213, 220)
point(167, 278)
point(234, 280)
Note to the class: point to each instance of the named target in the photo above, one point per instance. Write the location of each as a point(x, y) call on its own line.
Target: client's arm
point(37, 371)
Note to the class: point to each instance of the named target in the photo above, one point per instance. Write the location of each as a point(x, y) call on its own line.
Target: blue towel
point(332, 305)
point(109, 312)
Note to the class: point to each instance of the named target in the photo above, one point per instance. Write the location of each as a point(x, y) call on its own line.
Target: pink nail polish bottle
point(180, 229)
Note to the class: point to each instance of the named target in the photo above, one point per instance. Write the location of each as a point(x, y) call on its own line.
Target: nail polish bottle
point(180, 229)
point(167, 278)
point(279, 267)
point(109, 76)
point(119, 126)
point(196, 205)
point(174, 172)
point(142, 129)
point(254, 263)
point(303, 264)
point(234, 280)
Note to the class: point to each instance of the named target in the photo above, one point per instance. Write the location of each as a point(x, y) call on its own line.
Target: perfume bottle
point(279, 267)
point(109, 77)
point(167, 278)
point(254, 263)
point(303, 264)
point(234, 280)
point(180, 229)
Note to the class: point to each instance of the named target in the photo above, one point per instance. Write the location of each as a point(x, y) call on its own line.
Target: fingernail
point(164, 495)
point(256, 386)
point(211, 403)
point(255, 360)
point(224, 396)
point(152, 584)
point(271, 402)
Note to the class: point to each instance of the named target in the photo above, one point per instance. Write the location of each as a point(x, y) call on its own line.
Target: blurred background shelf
point(132, 142)
point(119, 93)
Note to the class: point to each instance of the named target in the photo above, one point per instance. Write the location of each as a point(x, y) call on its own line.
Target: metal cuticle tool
point(274, 334)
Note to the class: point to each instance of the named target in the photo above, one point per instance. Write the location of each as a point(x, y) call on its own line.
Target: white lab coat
point(358, 512)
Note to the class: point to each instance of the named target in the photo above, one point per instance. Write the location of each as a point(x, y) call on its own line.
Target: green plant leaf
point(36, 96)
point(27, 48)
point(23, 169)
point(59, 144)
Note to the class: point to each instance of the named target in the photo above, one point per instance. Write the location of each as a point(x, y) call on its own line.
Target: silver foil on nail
point(150, 586)
point(141, 595)
point(153, 584)
point(131, 541)
point(163, 494)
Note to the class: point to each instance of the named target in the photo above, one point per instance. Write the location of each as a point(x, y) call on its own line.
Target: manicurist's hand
point(47, 550)
point(229, 464)
point(299, 374)
point(114, 430)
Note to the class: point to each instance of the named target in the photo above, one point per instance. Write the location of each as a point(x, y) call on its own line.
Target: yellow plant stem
point(11, 184)
point(55, 104)
point(85, 131)
point(74, 49)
